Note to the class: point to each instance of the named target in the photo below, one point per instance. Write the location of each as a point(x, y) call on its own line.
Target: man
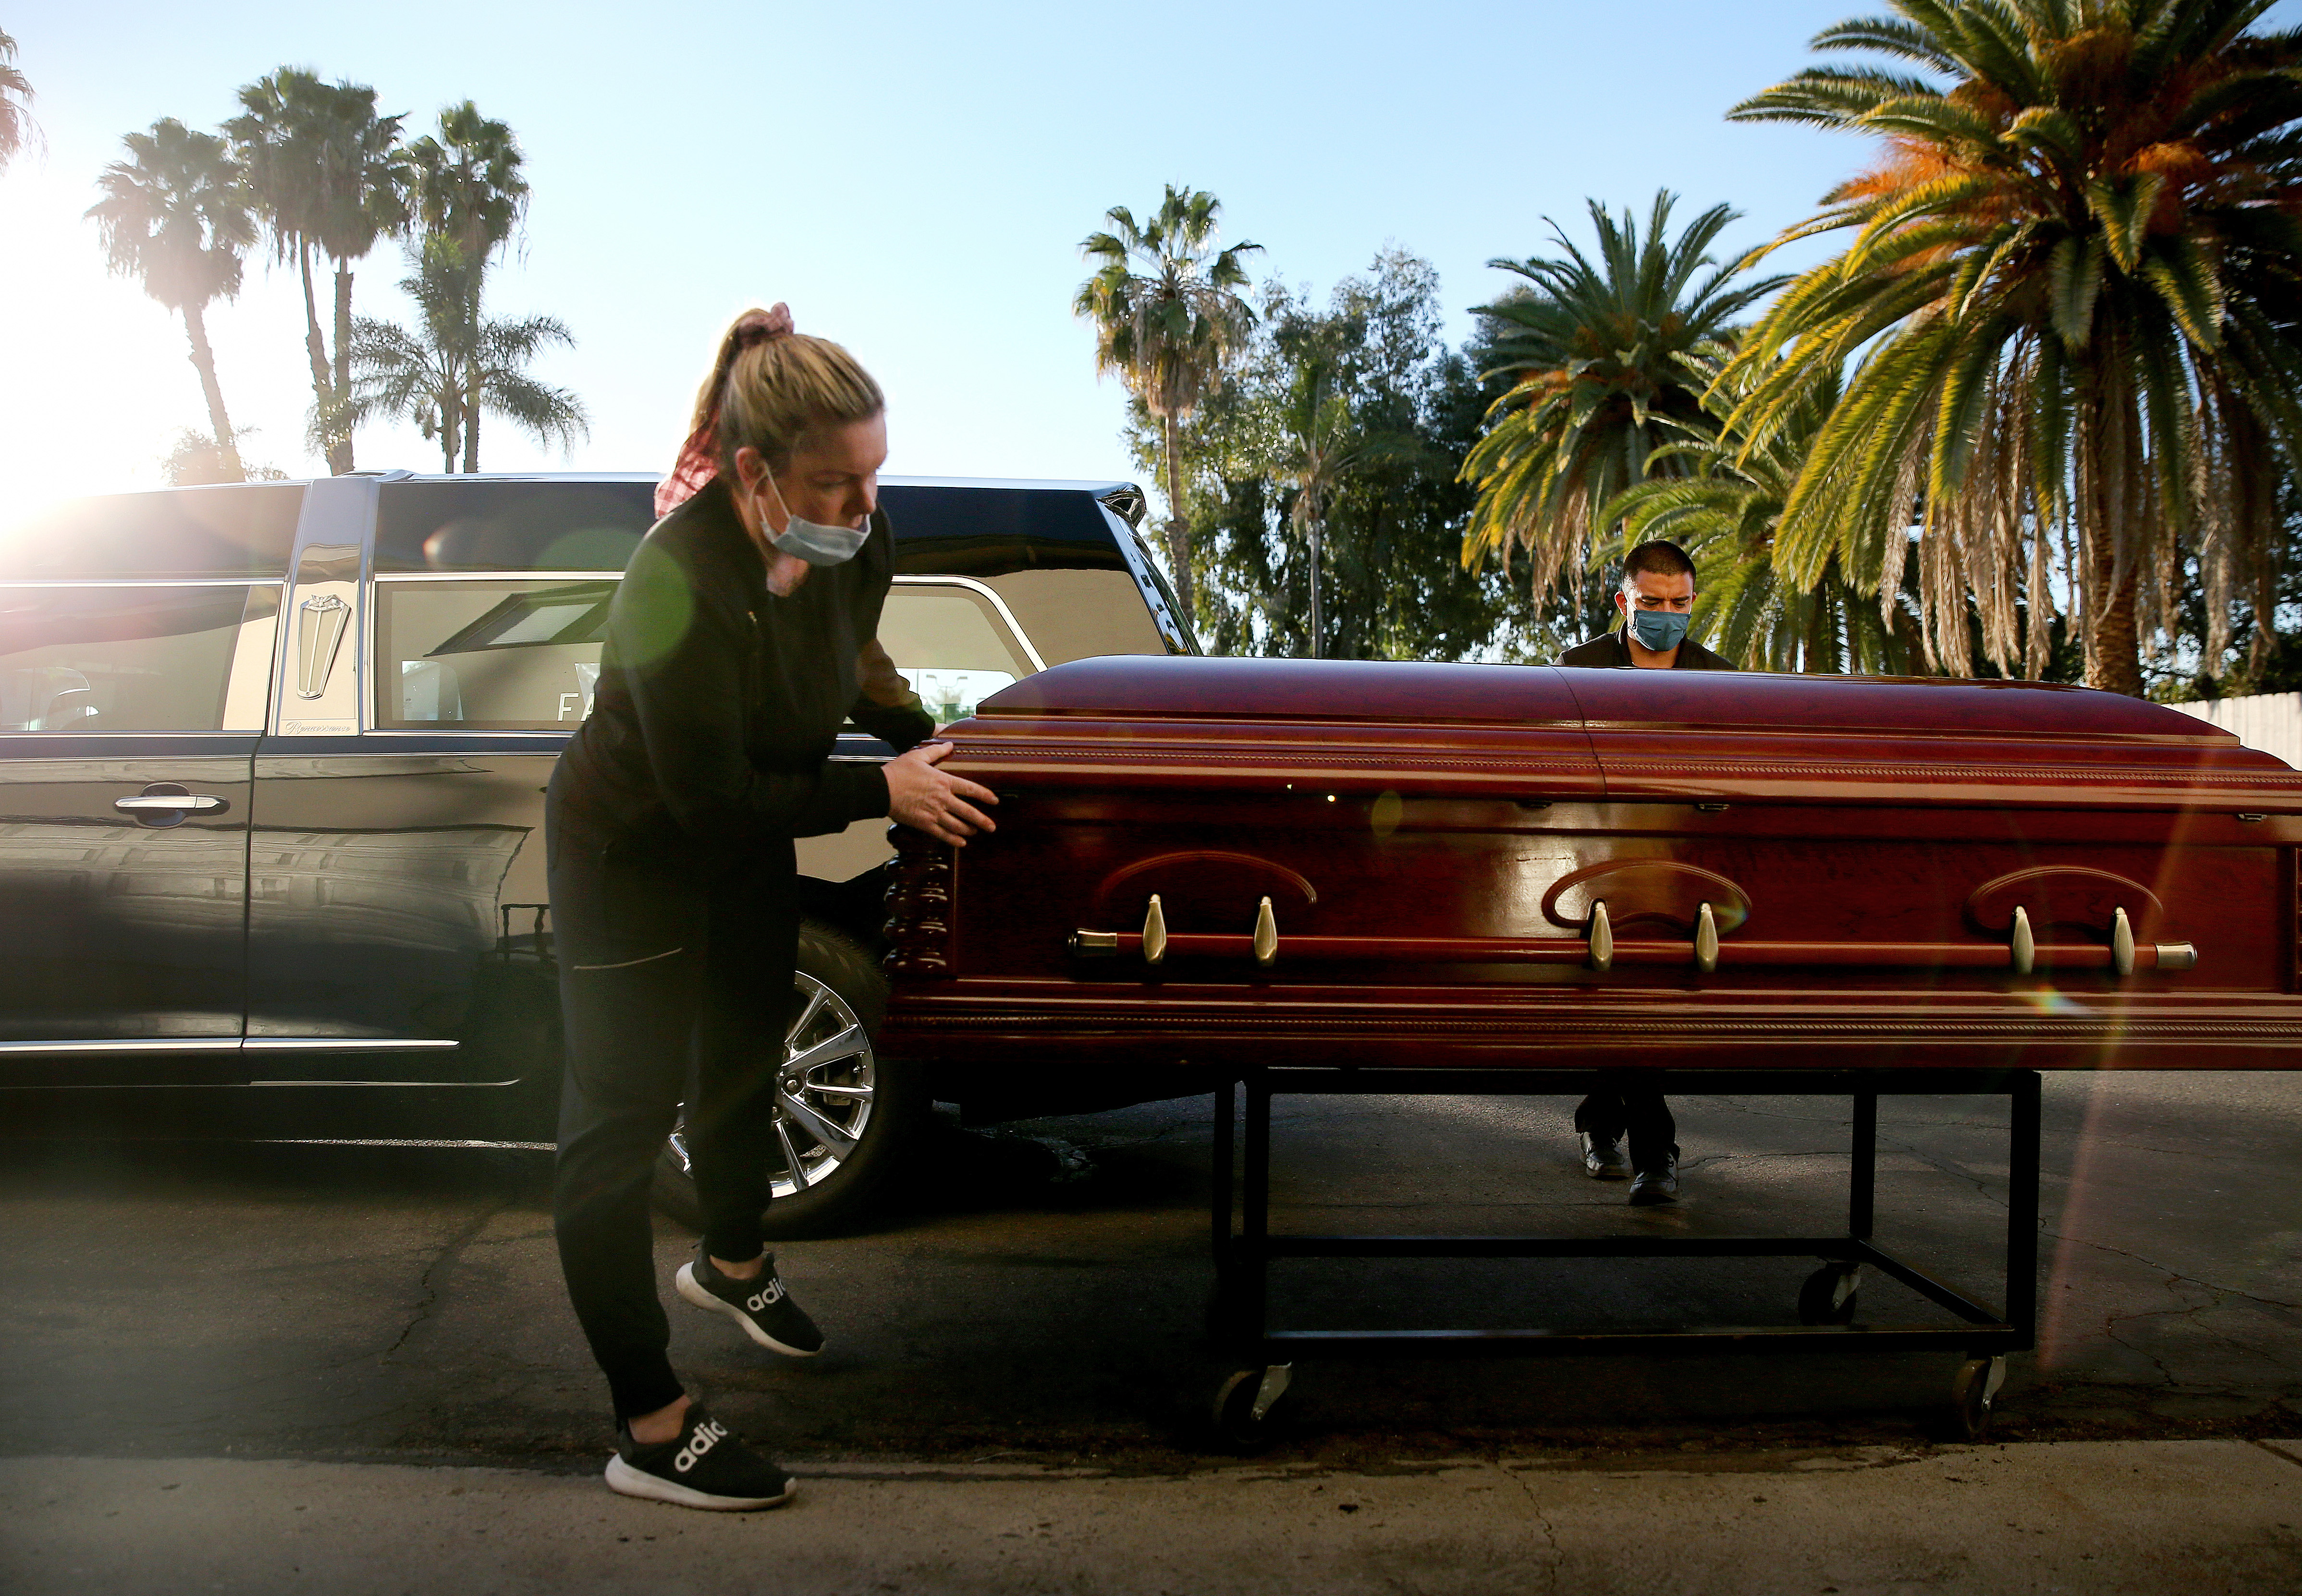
point(1656, 599)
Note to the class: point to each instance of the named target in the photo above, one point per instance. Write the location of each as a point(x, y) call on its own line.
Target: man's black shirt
point(1609, 651)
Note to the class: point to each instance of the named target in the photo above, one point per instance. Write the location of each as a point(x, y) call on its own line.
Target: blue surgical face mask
point(1659, 631)
point(811, 541)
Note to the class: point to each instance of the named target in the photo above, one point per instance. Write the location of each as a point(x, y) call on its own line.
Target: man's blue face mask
point(1659, 631)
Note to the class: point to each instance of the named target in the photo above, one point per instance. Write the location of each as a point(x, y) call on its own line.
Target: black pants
point(675, 987)
point(1621, 1104)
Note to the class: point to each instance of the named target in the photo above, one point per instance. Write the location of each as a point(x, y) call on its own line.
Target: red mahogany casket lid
point(1152, 687)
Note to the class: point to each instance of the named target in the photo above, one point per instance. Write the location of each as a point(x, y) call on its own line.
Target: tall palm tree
point(1168, 319)
point(432, 374)
point(175, 213)
point(1322, 446)
point(329, 175)
point(15, 103)
point(1723, 505)
point(2069, 303)
point(1604, 357)
point(467, 189)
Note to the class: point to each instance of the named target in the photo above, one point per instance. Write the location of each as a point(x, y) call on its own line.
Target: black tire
point(844, 1187)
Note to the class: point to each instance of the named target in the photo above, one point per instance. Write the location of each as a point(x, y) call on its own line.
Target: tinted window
point(979, 532)
point(236, 531)
point(488, 656)
point(117, 659)
point(511, 525)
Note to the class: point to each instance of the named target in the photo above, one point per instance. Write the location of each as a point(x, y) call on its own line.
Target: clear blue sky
point(913, 178)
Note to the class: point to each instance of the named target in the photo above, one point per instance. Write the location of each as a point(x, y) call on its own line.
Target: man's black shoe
point(1602, 1157)
point(1656, 1185)
point(706, 1466)
point(761, 1305)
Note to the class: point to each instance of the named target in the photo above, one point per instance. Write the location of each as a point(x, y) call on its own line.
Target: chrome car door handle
point(190, 803)
point(164, 804)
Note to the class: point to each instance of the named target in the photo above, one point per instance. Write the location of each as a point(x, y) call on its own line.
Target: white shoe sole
point(626, 1481)
point(688, 1288)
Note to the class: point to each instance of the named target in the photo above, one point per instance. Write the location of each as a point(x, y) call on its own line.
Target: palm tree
point(1604, 358)
point(2068, 300)
point(1722, 502)
point(1322, 446)
point(468, 189)
point(15, 103)
point(432, 374)
point(175, 213)
point(329, 175)
point(1168, 319)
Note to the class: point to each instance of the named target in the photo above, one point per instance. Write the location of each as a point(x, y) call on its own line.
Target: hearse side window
point(514, 525)
point(134, 659)
point(953, 643)
point(236, 530)
point(519, 654)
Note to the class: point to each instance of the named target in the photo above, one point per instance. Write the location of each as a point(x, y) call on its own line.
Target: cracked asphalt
point(1040, 1294)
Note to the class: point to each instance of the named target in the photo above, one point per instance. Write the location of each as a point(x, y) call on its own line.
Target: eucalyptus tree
point(467, 188)
point(438, 373)
point(1722, 501)
point(1604, 357)
point(1169, 318)
point(15, 103)
point(328, 175)
point(175, 216)
point(2069, 306)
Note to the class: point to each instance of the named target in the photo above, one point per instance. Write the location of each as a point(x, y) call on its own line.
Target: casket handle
point(1267, 936)
point(1155, 931)
point(2022, 947)
point(1706, 940)
point(2121, 943)
point(1602, 938)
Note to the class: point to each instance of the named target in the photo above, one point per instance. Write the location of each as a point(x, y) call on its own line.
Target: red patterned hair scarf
point(698, 457)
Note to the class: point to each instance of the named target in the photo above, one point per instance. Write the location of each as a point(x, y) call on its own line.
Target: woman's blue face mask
point(1659, 631)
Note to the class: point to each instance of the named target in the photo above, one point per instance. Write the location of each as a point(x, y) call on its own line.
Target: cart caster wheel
point(1828, 1297)
point(1245, 1404)
point(1971, 1393)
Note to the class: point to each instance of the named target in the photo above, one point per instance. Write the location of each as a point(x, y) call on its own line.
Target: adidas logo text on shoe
point(772, 1294)
point(709, 1433)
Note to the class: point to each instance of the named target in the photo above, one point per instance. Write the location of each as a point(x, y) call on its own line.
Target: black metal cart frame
point(1245, 1250)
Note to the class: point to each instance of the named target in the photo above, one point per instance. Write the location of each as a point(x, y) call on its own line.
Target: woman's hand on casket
point(921, 796)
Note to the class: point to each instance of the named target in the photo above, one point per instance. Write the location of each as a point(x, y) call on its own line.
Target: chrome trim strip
point(390, 1142)
point(1007, 615)
point(382, 577)
point(349, 1045)
point(421, 1083)
point(148, 582)
point(147, 1045)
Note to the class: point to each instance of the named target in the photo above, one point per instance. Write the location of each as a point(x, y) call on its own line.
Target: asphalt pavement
point(1037, 1303)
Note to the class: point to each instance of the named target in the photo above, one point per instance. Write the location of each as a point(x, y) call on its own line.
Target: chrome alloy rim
point(823, 1091)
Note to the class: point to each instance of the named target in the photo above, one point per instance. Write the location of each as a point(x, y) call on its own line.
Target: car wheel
point(842, 1114)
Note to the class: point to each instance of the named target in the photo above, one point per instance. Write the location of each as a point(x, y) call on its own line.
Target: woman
point(742, 635)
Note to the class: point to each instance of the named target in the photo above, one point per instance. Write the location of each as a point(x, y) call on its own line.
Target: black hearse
point(272, 765)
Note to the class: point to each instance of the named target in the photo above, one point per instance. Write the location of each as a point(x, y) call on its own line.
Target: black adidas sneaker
point(707, 1467)
point(761, 1305)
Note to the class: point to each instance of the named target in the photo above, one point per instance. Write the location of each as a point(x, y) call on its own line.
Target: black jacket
point(719, 702)
point(1609, 651)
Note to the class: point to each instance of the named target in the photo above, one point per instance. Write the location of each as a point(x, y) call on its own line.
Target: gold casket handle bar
point(2169, 956)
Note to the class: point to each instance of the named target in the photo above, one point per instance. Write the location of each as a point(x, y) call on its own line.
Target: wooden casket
point(1216, 862)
